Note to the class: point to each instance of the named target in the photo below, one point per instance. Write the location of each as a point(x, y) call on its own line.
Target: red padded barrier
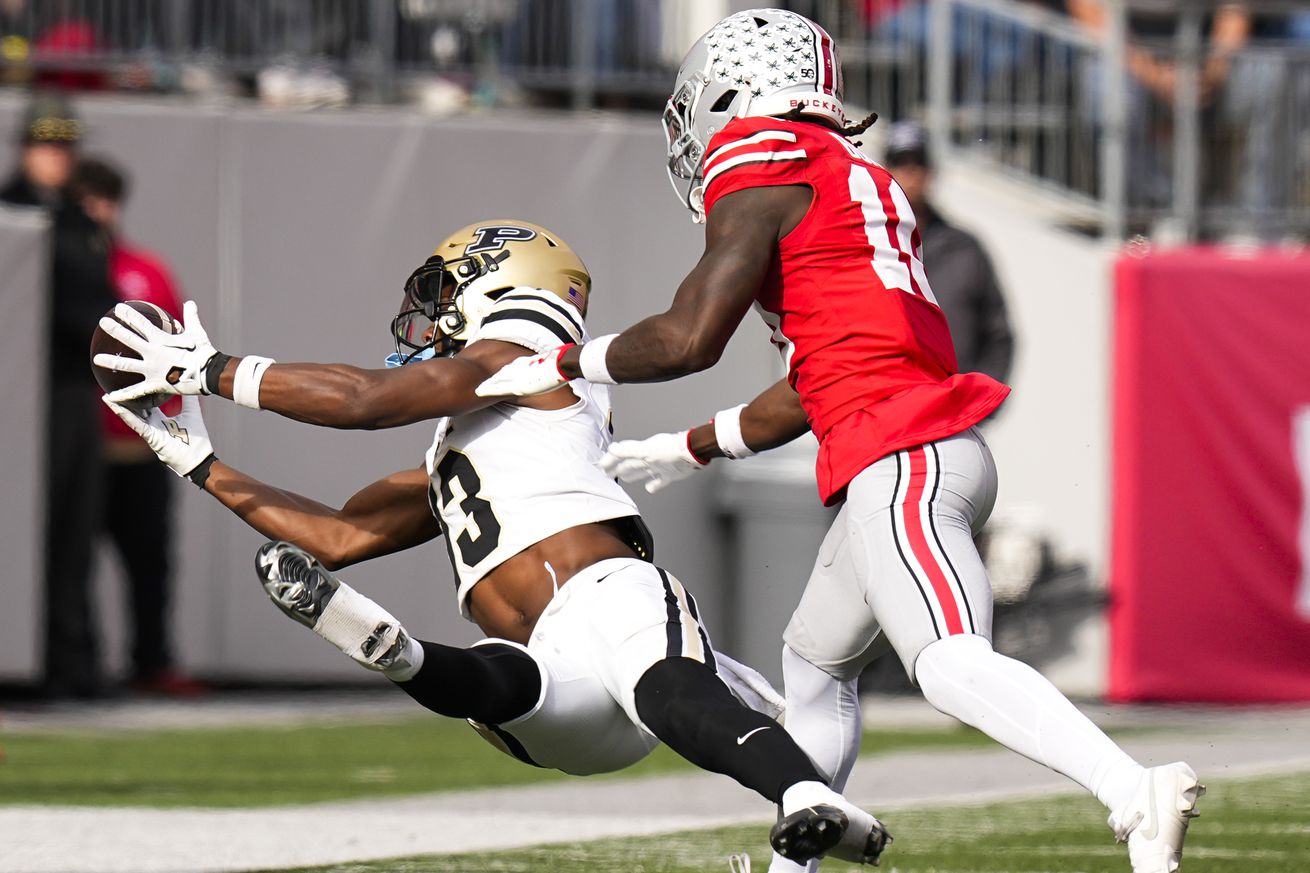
point(1209, 583)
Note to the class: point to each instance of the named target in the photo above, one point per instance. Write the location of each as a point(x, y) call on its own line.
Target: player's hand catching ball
point(654, 462)
point(172, 363)
point(181, 442)
point(526, 376)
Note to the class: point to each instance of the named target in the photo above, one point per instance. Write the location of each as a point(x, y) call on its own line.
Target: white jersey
point(507, 477)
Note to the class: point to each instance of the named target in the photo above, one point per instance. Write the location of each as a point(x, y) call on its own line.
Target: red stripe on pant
point(910, 512)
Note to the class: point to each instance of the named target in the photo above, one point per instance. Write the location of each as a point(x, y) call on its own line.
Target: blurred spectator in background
point(1153, 81)
point(1266, 157)
point(80, 293)
point(15, 41)
point(958, 268)
point(138, 491)
point(67, 33)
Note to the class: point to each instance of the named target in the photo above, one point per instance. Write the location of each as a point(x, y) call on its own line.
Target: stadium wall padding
point(24, 262)
point(1210, 578)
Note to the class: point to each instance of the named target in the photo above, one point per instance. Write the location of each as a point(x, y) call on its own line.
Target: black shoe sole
point(808, 833)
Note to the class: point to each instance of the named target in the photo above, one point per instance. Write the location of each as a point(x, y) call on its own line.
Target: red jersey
point(867, 347)
point(138, 275)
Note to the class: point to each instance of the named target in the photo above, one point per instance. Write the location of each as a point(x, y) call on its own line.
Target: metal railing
point(582, 47)
point(1017, 87)
point(1170, 135)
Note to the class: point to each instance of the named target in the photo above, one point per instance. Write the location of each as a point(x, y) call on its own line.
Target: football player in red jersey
point(822, 242)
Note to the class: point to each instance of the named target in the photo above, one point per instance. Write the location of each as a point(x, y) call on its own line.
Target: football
point(103, 343)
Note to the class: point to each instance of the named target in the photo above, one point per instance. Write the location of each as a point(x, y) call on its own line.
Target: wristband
point(250, 372)
point(559, 356)
point(201, 471)
point(592, 360)
point(213, 371)
point(727, 432)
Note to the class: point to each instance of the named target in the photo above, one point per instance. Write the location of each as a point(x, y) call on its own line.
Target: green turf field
point(263, 766)
point(1247, 825)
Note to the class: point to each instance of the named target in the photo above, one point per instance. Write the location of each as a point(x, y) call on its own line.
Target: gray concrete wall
point(23, 264)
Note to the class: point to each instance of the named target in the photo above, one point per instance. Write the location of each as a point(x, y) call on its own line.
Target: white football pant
point(899, 568)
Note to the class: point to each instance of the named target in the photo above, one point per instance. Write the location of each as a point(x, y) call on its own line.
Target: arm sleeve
point(534, 319)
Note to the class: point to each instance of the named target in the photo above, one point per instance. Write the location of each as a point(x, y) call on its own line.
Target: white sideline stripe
point(762, 136)
point(136, 840)
point(753, 157)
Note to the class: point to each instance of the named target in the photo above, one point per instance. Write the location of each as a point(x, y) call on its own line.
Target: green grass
point(263, 766)
point(1250, 824)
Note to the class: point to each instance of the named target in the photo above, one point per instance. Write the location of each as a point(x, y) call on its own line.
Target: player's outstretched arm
point(741, 244)
point(331, 395)
point(772, 419)
point(348, 397)
point(388, 516)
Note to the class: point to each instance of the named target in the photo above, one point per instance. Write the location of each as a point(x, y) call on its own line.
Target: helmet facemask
point(431, 322)
point(685, 151)
point(688, 127)
point(447, 299)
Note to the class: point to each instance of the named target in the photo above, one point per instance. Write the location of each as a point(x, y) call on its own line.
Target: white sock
point(1018, 707)
point(823, 716)
point(349, 620)
point(804, 794)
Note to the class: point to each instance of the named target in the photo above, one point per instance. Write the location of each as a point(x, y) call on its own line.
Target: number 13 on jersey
point(481, 533)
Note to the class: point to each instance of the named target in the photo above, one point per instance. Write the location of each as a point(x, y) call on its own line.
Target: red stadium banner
point(1210, 537)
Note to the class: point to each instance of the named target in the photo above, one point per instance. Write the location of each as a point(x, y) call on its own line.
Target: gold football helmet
point(447, 298)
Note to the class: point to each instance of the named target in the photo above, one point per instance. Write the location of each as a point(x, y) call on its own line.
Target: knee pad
point(673, 684)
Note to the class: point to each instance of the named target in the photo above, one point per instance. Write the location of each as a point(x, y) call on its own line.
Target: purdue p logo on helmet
point(757, 62)
point(447, 298)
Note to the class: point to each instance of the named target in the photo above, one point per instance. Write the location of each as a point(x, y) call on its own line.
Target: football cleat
point(309, 593)
point(1154, 821)
point(825, 830)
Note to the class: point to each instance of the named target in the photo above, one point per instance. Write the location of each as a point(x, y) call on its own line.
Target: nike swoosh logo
point(746, 736)
point(1151, 827)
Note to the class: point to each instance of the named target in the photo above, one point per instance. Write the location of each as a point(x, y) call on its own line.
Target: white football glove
point(170, 362)
point(181, 443)
point(526, 376)
point(654, 462)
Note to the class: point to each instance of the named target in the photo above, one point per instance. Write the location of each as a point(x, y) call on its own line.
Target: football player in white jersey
point(593, 654)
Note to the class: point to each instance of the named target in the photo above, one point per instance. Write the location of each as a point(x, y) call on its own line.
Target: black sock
point(490, 684)
point(689, 708)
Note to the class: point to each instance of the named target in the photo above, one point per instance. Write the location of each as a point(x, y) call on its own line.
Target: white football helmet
point(757, 62)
